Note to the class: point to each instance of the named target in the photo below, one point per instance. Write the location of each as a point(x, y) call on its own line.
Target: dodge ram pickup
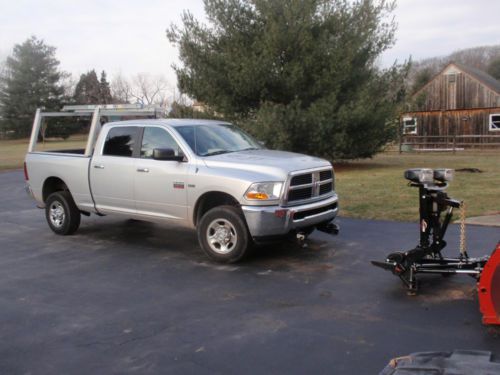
point(205, 174)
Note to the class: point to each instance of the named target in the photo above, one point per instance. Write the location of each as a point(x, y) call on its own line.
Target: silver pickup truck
point(204, 174)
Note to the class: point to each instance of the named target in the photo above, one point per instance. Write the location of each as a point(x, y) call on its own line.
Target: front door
point(160, 185)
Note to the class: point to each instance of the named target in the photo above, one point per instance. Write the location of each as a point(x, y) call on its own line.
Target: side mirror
point(166, 154)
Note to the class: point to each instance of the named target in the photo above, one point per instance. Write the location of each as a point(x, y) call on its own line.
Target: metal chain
point(463, 243)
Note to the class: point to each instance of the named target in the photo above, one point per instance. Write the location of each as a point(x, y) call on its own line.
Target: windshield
point(207, 140)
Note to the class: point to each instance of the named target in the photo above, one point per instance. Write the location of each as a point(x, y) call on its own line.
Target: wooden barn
point(458, 108)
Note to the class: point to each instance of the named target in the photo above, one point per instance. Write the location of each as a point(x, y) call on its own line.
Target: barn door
point(448, 130)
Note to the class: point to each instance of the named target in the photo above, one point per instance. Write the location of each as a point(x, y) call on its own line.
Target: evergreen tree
point(31, 79)
point(88, 89)
point(422, 78)
point(300, 74)
point(104, 90)
point(183, 110)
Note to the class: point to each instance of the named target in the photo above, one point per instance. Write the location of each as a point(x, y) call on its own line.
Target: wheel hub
point(221, 236)
point(57, 214)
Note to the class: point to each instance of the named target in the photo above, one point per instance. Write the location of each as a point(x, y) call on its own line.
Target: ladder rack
point(95, 112)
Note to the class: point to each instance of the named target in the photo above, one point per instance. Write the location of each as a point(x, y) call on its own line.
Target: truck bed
point(70, 166)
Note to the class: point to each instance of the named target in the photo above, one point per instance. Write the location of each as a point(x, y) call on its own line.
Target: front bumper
point(264, 221)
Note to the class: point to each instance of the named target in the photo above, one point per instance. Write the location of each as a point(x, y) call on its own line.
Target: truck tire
point(61, 213)
point(223, 234)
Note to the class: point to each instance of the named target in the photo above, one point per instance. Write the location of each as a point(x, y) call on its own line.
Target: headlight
point(264, 191)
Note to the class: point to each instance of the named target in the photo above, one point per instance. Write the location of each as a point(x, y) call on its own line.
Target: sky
point(128, 37)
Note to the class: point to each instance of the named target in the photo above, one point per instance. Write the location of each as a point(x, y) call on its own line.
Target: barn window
point(495, 122)
point(409, 125)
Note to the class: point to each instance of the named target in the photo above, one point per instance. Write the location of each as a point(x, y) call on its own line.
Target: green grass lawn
point(376, 188)
point(372, 189)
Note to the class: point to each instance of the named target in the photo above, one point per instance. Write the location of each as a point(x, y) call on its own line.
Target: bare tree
point(150, 89)
point(68, 82)
point(143, 88)
point(121, 89)
point(181, 98)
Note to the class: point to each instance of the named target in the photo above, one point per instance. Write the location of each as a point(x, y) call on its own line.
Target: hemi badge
point(178, 185)
point(191, 186)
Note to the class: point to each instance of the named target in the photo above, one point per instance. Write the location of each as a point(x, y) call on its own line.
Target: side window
point(495, 122)
point(120, 141)
point(157, 138)
point(409, 125)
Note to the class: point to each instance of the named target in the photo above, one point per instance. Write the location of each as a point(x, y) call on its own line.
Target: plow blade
point(489, 289)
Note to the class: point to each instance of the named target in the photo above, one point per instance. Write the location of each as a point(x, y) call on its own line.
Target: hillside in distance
point(483, 58)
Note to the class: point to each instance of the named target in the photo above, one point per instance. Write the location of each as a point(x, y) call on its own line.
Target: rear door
point(112, 170)
point(160, 185)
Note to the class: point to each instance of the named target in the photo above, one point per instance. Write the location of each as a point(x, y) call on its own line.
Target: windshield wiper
point(219, 152)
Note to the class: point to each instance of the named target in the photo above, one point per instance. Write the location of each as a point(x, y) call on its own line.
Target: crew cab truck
point(204, 174)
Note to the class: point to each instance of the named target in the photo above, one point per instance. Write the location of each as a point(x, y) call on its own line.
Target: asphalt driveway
point(132, 297)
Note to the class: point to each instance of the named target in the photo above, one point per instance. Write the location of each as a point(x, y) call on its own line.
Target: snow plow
point(436, 211)
point(488, 289)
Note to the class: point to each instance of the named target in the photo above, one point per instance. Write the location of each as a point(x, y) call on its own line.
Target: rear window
point(121, 141)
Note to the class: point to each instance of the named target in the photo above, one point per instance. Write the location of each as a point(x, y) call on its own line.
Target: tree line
point(31, 78)
point(301, 75)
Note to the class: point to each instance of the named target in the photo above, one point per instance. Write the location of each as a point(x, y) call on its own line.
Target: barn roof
point(481, 76)
point(475, 73)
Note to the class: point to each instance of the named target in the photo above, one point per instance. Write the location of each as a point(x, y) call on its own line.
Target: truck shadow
point(140, 236)
point(166, 239)
point(314, 255)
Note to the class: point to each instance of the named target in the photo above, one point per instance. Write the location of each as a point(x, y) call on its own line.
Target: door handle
point(98, 166)
point(146, 170)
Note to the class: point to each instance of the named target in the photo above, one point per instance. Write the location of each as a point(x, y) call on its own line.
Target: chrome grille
point(299, 194)
point(309, 186)
point(325, 188)
point(325, 175)
point(301, 179)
